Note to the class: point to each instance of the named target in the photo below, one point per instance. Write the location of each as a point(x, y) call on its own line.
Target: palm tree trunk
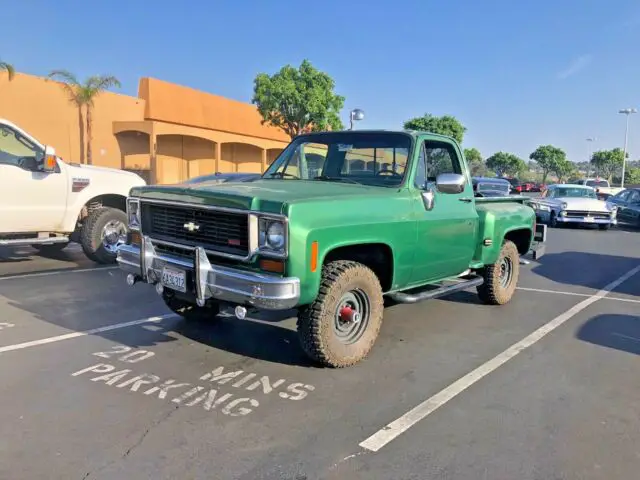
point(89, 122)
point(81, 131)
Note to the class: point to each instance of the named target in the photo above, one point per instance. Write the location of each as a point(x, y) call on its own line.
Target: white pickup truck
point(47, 203)
point(601, 186)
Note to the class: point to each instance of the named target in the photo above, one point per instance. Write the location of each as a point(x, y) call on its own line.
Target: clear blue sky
point(517, 74)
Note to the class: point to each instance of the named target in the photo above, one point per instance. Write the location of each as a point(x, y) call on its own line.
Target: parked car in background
point(602, 187)
point(223, 178)
point(516, 185)
point(577, 204)
point(628, 204)
point(490, 187)
point(47, 203)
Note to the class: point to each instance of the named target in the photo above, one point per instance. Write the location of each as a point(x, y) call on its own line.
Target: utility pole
point(590, 139)
point(627, 112)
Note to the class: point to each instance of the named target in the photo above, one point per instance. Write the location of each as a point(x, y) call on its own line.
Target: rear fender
point(516, 224)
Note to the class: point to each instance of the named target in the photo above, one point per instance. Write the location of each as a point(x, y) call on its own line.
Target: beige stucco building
point(168, 133)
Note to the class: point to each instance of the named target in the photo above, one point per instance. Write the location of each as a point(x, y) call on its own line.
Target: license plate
point(588, 219)
point(174, 279)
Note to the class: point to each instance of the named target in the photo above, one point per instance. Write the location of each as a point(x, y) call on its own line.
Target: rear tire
point(340, 327)
point(501, 278)
point(189, 311)
point(102, 232)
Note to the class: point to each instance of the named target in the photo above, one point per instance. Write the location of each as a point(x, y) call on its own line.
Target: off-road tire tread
point(310, 317)
point(88, 236)
point(491, 292)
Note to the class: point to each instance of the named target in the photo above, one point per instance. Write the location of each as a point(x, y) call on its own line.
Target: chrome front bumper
point(593, 221)
point(545, 216)
point(207, 281)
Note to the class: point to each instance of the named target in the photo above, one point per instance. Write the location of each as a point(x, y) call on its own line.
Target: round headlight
point(564, 205)
point(275, 236)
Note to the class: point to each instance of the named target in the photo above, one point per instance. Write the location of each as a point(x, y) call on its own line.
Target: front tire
point(501, 278)
point(189, 311)
point(553, 221)
point(604, 227)
point(340, 327)
point(103, 231)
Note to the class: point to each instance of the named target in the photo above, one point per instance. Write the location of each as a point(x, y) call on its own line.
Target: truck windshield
point(376, 159)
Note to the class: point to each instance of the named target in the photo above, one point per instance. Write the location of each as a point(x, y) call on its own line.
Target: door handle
point(466, 199)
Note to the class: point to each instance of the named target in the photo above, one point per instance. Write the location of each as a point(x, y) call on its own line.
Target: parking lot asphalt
point(98, 380)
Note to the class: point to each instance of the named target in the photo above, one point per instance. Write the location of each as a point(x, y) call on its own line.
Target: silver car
point(577, 204)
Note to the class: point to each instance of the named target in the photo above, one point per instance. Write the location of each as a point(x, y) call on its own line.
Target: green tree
point(548, 158)
point(506, 164)
point(632, 176)
point(7, 67)
point(83, 95)
point(607, 162)
point(445, 125)
point(563, 169)
point(298, 100)
point(475, 162)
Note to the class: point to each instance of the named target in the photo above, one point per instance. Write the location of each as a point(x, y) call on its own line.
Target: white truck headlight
point(614, 211)
point(272, 236)
point(133, 213)
point(564, 205)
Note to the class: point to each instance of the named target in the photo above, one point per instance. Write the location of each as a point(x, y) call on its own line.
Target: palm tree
point(7, 67)
point(84, 94)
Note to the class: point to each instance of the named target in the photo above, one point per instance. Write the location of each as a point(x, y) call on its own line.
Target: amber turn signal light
point(134, 238)
point(275, 266)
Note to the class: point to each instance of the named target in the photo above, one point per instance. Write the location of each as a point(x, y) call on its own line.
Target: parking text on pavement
point(232, 399)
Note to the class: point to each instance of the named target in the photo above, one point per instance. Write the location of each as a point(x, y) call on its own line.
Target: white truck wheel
point(103, 231)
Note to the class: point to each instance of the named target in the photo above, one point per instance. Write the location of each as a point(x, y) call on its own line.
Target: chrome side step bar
point(17, 242)
point(430, 293)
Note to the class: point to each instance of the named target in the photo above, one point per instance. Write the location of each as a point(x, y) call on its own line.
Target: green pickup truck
point(337, 222)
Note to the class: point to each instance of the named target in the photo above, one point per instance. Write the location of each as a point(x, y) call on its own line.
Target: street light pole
point(355, 115)
point(627, 112)
point(590, 139)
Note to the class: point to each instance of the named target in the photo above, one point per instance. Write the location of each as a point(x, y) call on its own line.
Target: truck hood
point(91, 171)
point(269, 196)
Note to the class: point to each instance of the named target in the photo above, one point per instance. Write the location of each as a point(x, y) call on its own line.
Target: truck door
point(31, 200)
point(447, 233)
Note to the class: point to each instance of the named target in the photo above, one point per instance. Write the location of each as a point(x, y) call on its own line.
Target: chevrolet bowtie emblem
point(191, 227)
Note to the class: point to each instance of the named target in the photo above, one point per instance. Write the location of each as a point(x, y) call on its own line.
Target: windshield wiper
point(327, 178)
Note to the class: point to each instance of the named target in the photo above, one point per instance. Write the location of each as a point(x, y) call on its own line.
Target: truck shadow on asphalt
point(617, 331)
point(69, 260)
point(591, 270)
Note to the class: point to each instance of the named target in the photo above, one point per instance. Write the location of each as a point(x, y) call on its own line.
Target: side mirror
point(450, 183)
point(49, 162)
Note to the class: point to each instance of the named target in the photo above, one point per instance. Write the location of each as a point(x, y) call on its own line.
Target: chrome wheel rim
point(351, 317)
point(114, 234)
point(506, 272)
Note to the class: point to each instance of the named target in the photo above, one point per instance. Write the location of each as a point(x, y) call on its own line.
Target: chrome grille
point(220, 231)
point(587, 213)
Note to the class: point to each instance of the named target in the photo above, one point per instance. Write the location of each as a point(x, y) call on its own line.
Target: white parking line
point(385, 435)
point(576, 294)
point(56, 272)
point(84, 333)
